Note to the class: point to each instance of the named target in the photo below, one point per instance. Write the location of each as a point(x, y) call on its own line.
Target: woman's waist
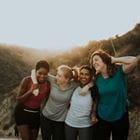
point(28, 108)
point(32, 104)
point(55, 115)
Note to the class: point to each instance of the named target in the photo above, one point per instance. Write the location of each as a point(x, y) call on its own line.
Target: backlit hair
point(106, 58)
point(66, 70)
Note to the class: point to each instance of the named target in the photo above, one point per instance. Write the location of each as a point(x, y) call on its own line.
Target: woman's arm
point(94, 118)
point(129, 62)
point(51, 78)
point(95, 97)
point(45, 99)
point(23, 93)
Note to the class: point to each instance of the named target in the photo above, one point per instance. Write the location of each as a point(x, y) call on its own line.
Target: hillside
point(16, 62)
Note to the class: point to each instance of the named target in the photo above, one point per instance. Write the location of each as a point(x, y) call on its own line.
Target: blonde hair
point(66, 70)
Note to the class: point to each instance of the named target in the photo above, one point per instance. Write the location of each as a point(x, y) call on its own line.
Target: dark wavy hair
point(42, 64)
point(106, 58)
point(87, 68)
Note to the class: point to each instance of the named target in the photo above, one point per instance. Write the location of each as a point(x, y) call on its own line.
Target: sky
point(60, 25)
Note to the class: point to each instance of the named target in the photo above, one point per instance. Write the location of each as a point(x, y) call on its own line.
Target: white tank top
point(80, 109)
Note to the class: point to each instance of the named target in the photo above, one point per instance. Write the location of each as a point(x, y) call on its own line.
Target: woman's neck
point(41, 82)
point(64, 86)
point(105, 73)
point(81, 85)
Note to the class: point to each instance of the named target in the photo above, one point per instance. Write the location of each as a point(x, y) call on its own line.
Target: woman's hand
point(94, 119)
point(112, 59)
point(85, 89)
point(35, 89)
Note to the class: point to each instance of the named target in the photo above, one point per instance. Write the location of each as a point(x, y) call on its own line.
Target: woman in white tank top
point(78, 120)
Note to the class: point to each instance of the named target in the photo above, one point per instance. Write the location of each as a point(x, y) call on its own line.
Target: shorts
point(27, 116)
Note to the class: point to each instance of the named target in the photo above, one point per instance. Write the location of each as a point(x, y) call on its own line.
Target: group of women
point(90, 107)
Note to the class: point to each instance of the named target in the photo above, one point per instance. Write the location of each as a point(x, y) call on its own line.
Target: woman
point(78, 120)
point(55, 110)
point(111, 82)
point(27, 111)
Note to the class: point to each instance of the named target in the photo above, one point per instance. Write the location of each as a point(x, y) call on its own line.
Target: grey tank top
point(56, 107)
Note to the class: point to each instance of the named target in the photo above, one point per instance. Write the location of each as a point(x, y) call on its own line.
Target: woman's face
point(41, 74)
point(60, 77)
point(98, 63)
point(84, 77)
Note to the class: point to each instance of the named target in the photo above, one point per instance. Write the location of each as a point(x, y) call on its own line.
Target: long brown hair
point(106, 58)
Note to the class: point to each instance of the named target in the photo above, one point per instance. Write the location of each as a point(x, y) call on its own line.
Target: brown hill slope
point(15, 63)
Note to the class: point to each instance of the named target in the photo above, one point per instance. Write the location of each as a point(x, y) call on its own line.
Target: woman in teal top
point(111, 83)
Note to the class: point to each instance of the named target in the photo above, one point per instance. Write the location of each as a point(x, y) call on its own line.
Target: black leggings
point(83, 133)
point(52, 130)
point(119, 129)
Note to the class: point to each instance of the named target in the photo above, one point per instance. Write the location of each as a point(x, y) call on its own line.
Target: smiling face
point(61, 78)
point(64, 75)
point(98, 63)
point(41, 74)
point(84, 77)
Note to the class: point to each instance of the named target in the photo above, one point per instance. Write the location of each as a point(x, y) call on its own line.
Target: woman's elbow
point(18, 99)
point(131, 67)
point(136, 60)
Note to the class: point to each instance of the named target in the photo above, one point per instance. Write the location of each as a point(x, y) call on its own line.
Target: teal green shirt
point(113, 96)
